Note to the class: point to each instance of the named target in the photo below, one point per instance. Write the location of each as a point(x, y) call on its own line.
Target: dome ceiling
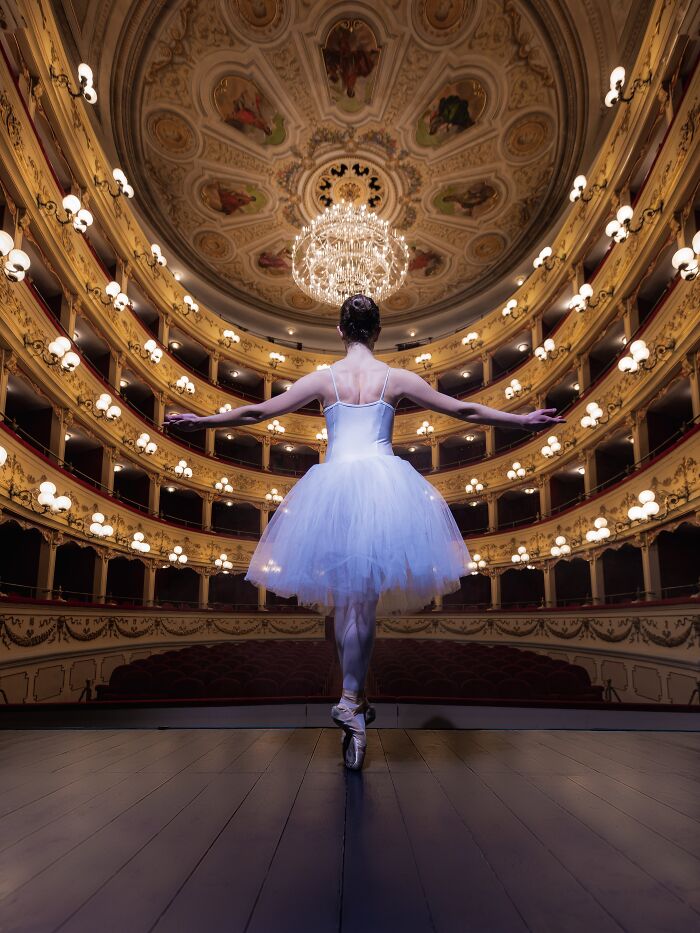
point(460, 121)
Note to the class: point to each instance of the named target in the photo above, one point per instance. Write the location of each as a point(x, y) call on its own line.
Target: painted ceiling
point(460, 121)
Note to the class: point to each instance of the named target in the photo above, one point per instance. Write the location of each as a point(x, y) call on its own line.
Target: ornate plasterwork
point(237, 111)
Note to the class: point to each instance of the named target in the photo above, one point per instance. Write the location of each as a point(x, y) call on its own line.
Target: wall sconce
point(177, 555)
point(515, 389)
point(57, 353)
point(521, 556)
point(472, 340)
point(549, 350)
point(276, 358)
point(546, 259)
point(583, 299)
point(620, 228)
point(75, 214)
point(552, 447)
point(560, 547)
point(145, 445)
point(580, 184)
point(322, 435)
point(123, 186)
point(182, 469)
point(112, 295)
point(138, 543)
point(641, 358)
point(16, 262)
point(685, 260)
point(474, 486)
point(86, 87)
point(321, 366)
point(149, 351)
point(49, 501)
point(102, 407)
point(274, 427)
point(223, 485)
point(512, 311)
point(476, 564)
point(3, 456)
point(223, 563)
point(517, 471)
point(184, 386)
point(154, 258)
point(599, 532)
point(274, 496)
point(189, 306)
point(647, 508)
point(425, 429)
point(98, 528)
point(425, 359)
point(228, 338)
point(617, 81)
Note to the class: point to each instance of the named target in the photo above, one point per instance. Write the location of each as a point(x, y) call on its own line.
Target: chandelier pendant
point(348, 251)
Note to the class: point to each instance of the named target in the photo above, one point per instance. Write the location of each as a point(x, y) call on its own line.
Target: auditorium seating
point(401, 669)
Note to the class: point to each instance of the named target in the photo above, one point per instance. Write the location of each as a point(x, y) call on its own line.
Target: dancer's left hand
point(541, 418)
point(185, 421)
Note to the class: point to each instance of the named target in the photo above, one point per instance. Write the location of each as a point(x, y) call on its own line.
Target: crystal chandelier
point(348, 251)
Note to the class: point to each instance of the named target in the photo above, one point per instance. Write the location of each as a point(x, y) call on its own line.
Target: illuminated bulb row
point(547, 347)
point(145, 444)
point(513, 389)
point(619, 228)
point(593, 415)
point(47, 497)
point(182, 469)
point(223, 563)
point(599, 532)
point(638, 352)
point(61, 349)
point(560, 547)
point(177, 556)
point(98, 527)
point(685, 260)
point(274, 427)
point(476, 564)
point(580, 300)
point(155, 354)
point(425, 428)
point(223, 485)
point(185, 384)
point(16, 262)
point(646, 509)
point(552, 447)
point(139, 544)
point(105, 404)
point(517, 471)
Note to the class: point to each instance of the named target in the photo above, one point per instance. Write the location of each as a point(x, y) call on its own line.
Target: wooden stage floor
point(263, 831)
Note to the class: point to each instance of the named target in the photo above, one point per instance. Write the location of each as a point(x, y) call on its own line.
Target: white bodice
point(362, 430)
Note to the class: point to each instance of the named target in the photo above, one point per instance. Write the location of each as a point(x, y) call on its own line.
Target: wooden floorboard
point(264, 831)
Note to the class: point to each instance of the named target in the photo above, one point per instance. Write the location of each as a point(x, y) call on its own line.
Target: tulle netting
point(359, 529)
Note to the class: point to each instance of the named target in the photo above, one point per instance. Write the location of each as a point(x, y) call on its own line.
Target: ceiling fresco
point(459, 121)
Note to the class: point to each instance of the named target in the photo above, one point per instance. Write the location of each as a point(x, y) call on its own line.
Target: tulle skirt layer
point(371, 528)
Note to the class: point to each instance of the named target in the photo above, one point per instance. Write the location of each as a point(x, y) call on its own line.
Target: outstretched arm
point(303, 391)
point(419, 391)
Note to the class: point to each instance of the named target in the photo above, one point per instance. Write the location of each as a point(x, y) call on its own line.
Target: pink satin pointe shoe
point(351, 714)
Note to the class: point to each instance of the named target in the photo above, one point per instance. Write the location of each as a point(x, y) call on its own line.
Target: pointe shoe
point(354, 743)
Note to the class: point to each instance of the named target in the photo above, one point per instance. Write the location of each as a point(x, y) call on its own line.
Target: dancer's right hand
point(186, 421)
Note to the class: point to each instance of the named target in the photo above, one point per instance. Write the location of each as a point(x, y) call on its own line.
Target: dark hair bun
point(359, 319)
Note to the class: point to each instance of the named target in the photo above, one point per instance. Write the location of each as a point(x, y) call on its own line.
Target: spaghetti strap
point(386, 379)
point(330, 370)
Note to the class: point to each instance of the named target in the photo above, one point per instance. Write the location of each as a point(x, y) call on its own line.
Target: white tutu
point(353, 529)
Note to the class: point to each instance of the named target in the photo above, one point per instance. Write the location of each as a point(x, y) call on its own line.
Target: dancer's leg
point(354, 634)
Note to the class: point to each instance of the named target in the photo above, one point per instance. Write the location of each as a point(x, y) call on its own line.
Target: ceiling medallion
point(348, 250)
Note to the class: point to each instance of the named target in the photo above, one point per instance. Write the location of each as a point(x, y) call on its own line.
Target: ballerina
point(363, 532)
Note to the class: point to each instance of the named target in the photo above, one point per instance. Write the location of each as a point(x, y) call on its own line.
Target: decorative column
point(266, 444)
point(159, 400)
point(61, 420)
point(46, 565)
point(164, 322)
point(590, 477)
point(640, 435)
point(490, 438)
point(214, 367)
point(107, 469)
point(209, 441)
point(495, 579)
point(689, 371)
point(207, 505)
point(153, 494)
point(545, 492)
point(116, 368)
point(434, 453)
point(583, 372)
point(536, 334)
point(99, 575)
point(267, 386)
point(68, 312)
point(322, 452)
point(595, 564)
point(432, 380)
point(630, 317)
point(437, 603)
point(262, 590)
point(149, 583)
point(550, 587)
point(487, 368)
point(651, 569)
point(203, 598)
point(8, 367)
point(492, 506)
